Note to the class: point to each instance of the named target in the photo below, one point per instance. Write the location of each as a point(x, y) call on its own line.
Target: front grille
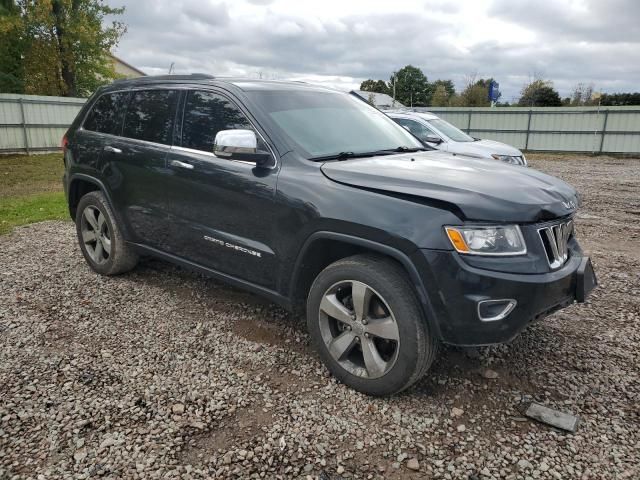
point(555, 239)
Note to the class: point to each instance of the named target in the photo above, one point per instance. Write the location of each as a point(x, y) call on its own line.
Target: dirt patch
point(245, 428)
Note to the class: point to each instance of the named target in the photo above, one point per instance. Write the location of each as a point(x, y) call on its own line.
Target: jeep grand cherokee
point(313, 198)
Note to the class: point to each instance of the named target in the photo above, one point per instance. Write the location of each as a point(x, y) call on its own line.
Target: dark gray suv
point(315, 199)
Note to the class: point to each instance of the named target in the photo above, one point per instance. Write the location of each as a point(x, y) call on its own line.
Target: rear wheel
point(367, 325)
point(100, 238)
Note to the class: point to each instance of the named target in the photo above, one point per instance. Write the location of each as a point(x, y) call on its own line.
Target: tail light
point(64, 145)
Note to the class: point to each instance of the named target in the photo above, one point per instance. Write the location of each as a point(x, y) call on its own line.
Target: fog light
point(493, 310)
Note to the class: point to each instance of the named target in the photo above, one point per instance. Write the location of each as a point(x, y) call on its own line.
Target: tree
point(65, 45)
point(11, 48)
point(539, 93)
point(475, 93)
point(581, 94)
point(411, 86)
point(615, 99)
point(377, 86)
point(440, 98)
point(449, 88)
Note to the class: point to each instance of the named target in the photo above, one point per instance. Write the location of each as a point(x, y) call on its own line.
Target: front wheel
point(366, 323)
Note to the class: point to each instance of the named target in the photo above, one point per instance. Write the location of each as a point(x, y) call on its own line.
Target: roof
point(128, 65)
point(245, 84)
point(379, 99)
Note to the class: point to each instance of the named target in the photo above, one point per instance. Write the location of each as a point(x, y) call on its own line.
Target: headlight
point(515, 160)
point(487, 240)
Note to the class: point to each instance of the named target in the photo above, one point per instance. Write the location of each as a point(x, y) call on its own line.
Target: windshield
point(328, 123)
point(454, 133)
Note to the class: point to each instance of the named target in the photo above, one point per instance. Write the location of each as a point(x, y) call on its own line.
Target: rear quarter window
point(106, 114)
point(150, 115)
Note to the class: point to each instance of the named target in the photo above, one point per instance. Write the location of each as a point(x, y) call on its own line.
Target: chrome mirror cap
point(241, 145)
point(228, 142)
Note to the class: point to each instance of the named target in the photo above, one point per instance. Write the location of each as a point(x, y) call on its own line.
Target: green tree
point(449, 88)
point(475, 93)
point(620, 99)
point(440, 98)
point(11, 48)
point(65, 45)
point(539, 93)
point(411, 86)
point(377, 86)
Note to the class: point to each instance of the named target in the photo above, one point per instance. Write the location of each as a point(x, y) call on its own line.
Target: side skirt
point(271, 295)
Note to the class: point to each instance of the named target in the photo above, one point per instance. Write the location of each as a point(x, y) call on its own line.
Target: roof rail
point(191, 76)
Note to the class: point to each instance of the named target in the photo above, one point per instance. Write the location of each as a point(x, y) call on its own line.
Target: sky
point(342, 42)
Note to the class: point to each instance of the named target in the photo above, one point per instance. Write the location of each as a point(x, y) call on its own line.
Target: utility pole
point(394, 88)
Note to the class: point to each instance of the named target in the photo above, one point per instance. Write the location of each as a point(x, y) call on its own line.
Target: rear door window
point(150, 115)
point(106, 114)
point(205, 114)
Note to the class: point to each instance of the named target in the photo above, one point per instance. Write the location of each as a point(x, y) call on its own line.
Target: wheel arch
point(334, 246)
point(81, 184)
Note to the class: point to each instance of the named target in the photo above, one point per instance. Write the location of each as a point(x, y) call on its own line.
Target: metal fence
point(570, 129)
point(30, 123)
point(33, 123)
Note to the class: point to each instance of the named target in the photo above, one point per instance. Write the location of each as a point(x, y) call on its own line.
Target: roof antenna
point(171, 67)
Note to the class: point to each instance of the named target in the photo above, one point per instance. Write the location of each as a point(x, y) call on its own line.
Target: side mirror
point(433, 139)
point(241, 144)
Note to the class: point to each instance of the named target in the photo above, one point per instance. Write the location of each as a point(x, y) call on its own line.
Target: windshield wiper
point(339, 156)
point(403, 149)
point(347, 155)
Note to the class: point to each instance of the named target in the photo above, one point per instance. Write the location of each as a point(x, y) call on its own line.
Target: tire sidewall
point(411, 327)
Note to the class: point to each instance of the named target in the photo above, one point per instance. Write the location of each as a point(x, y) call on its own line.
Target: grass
point(31, 190)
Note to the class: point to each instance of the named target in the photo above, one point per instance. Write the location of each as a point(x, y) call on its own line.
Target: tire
point(106, 252)
point(360, 346)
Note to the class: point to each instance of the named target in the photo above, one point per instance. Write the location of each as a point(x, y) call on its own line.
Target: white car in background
point(438, 133)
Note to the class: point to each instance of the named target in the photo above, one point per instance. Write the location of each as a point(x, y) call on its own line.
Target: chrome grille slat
point(555, 239)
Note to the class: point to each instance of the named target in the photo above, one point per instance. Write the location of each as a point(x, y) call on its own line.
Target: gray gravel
point(161, 373)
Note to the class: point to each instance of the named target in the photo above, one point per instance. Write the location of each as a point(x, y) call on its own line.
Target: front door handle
point(179, 164)
point(111, 149)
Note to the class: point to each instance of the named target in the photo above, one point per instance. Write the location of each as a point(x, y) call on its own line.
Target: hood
point(482, 190)
point(483, 148)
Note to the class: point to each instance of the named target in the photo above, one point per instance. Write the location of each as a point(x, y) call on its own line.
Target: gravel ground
point(161, 373)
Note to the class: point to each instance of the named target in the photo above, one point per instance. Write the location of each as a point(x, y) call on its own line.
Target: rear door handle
point(179, 164)
point(111, 149)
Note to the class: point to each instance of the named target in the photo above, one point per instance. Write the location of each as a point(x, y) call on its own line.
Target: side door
point(220, 211)
point(422, 132)
point(134, 163)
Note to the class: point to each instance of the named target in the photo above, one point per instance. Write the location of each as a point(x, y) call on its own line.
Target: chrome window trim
point(209, 154)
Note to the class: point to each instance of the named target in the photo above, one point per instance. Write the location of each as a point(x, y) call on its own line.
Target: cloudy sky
point(342, 42)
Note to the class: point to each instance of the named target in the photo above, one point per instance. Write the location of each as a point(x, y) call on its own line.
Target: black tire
point(416, 347)
point(121, 257)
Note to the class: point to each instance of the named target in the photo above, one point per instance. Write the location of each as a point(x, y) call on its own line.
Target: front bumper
point(455, 289)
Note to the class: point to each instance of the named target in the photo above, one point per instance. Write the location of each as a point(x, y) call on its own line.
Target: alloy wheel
point(95, 234)
point(359, 329)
